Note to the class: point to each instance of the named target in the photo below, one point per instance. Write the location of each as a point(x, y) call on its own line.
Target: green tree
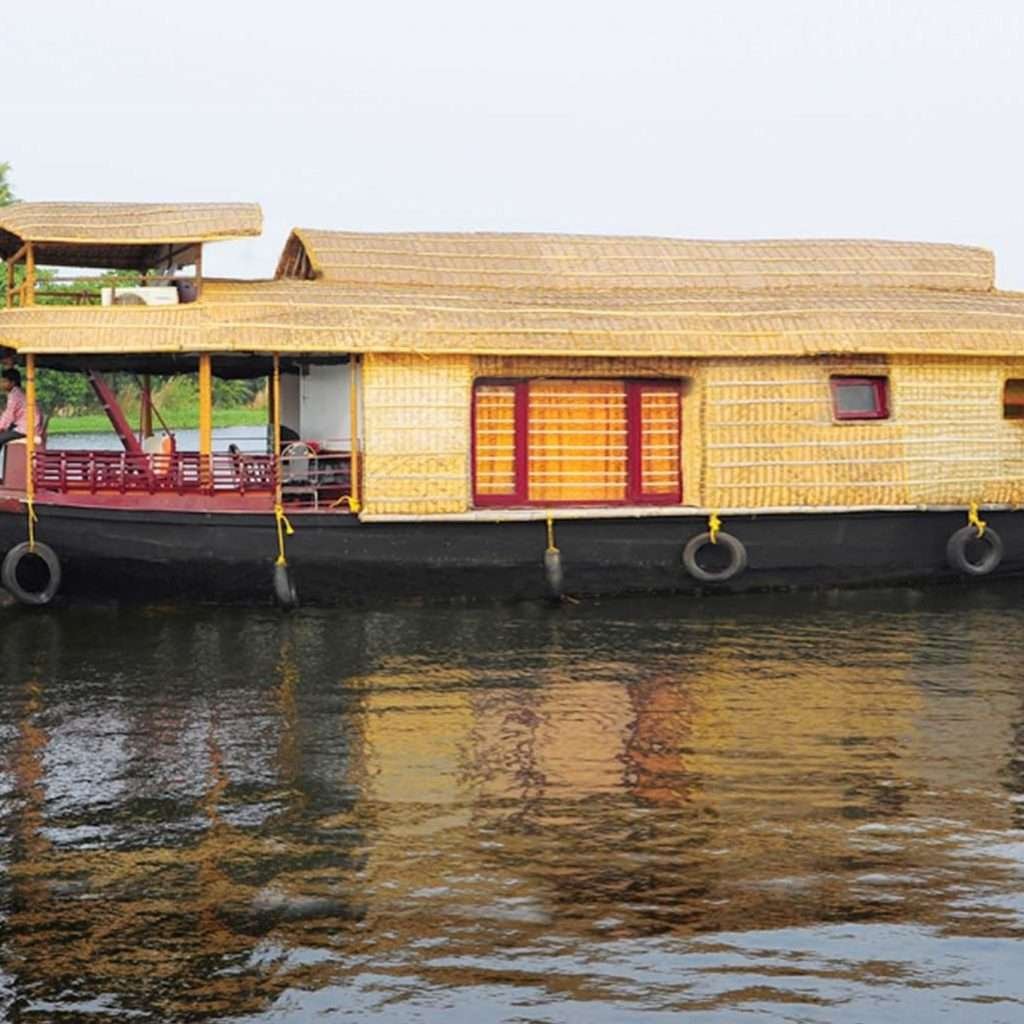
point(6, 198)
point(6, 195)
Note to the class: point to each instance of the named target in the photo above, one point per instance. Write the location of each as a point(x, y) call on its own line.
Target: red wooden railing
point(67, 471)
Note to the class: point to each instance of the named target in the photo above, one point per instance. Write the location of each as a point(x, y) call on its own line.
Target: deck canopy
point(121, 236)
point(591, 263)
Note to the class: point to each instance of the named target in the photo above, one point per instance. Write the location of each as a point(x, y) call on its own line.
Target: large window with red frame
point(577, 442)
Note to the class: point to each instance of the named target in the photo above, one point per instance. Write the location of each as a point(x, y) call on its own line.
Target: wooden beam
point(30, 426)
point(11, 290)
point(18, 256)
point(275, 430)
point(108, 400)
point(164, 261)
point(30, 274)
point(355, 489)
point(205, 405)
point(146, 407)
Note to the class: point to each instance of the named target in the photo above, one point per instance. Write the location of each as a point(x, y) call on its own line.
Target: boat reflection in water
point(619, 812)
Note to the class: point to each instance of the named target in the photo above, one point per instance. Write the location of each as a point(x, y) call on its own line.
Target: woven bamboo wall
point(756, 433)
point(416, 416)
point(958, 447)
point(770, 438)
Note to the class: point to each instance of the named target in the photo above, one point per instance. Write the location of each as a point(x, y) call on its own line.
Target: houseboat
point(514, 415)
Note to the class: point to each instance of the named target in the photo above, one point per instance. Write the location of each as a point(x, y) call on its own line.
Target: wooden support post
point(275, 426)
point(275, 406)
point(355, 502)
point(30, 442)
point(30, 274)
point(271, 406)
point(12, 262)
point(206, 417)
point(146, 407)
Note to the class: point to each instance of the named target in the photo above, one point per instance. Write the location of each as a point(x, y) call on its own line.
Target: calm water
point(248, 439)
point(779, 809)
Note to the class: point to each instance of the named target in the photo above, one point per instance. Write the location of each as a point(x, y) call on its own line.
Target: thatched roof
point(119, 235)
point(295, 316)
point(587, 263)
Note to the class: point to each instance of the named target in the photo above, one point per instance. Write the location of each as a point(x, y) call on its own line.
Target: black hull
point(336, 559)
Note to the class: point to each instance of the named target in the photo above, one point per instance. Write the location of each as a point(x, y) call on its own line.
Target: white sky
point(694, 118)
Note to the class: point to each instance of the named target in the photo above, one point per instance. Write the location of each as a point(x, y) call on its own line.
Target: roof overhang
point(128, 236)
point(306, 318)
point(231, 366)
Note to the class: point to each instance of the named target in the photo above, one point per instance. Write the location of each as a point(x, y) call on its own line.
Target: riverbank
point(187, 419)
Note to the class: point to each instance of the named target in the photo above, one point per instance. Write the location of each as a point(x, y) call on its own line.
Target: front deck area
point(310, 480)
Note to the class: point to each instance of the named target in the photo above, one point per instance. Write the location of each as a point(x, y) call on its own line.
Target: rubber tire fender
point(737, 557)
point(956, 551)
point(553, 574)
point(284, 588)
point(9, 573)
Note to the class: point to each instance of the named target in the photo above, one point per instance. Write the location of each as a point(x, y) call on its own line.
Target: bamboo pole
point(270, 403)
point(353, 412)
point(206, 416)
point(275, 425)
point(30, 275)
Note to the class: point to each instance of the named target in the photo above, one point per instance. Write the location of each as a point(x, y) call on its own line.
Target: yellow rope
point(714, 526)
point(975, 520)
point(32, 520)
point(348, 499)
point(284, 529)
point(551, 534)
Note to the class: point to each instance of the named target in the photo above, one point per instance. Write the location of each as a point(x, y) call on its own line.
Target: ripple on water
point(806, 807)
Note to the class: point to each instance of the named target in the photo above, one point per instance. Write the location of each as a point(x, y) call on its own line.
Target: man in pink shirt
point(13, 419)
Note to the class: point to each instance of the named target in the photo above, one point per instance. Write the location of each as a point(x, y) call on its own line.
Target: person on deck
point(13, 420)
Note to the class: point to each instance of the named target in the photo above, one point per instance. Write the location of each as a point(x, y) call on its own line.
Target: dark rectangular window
point(860, 398)
point(564, 442)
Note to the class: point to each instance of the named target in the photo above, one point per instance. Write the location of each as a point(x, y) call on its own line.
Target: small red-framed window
point(860, 398)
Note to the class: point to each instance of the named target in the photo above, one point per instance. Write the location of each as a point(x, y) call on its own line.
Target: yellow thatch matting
point(600, 263)
point(319, 316)
point(126, 223)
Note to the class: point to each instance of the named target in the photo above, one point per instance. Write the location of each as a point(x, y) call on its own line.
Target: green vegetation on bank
point(97, 423)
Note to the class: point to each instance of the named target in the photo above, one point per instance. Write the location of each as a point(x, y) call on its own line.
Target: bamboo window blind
point(550, 442)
